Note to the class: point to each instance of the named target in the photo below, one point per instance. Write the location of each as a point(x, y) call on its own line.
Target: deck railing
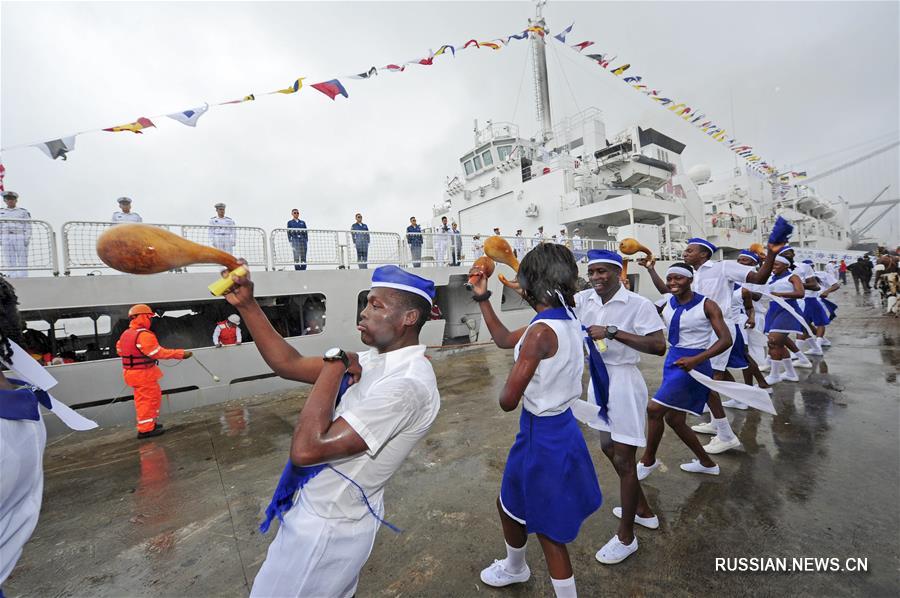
point(27, 245)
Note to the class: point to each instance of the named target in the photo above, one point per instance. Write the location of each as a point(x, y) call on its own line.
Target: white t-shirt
point(715, 281)
point(556, 382)
point(805, 271)
point(627, 311)
point(391, 408)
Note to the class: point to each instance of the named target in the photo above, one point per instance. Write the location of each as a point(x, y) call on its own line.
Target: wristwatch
point(337, 354)
point(611, 332)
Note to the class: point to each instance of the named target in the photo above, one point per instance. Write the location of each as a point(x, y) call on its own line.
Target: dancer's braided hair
point(10, 323)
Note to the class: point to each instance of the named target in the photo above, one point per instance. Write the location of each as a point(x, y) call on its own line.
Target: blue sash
point(22, 403)
point(680, 308)
point(596, 367)
point(295, 477)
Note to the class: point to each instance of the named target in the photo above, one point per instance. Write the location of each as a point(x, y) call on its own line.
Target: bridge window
point(469, 168)
point(487, 159)
point(503, 151)
point(477, 161)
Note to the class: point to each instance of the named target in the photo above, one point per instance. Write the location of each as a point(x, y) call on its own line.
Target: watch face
point(333, 353)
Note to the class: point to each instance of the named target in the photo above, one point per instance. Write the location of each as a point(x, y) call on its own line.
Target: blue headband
point(703, 243)
point(603, 256)
point(750, 254)
point(393, 277)
point(808, 262)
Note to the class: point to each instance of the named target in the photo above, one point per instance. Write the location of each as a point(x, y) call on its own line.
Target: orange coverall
point(145, 380)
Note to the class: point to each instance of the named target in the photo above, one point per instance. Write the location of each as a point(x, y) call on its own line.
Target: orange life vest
point(227, 334)
point(132, 358)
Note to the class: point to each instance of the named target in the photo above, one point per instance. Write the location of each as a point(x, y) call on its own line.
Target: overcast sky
point(807, 79)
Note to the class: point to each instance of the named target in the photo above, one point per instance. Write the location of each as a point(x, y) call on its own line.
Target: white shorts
point(720, 362)
point(316, 557)
point(627, 406)
point(21, 486)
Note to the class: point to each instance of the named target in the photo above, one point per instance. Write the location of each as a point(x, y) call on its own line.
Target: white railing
point(318, 248)
point(448, 249)
point(27, 245)
point(79, 242)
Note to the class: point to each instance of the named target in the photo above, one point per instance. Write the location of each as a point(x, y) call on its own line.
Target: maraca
point(485, 267)
point(758, 249)
point(144, 249)
point(498, 248)
point(631, 246)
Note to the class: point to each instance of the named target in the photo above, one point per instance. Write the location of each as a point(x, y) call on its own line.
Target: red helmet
point(140, 308)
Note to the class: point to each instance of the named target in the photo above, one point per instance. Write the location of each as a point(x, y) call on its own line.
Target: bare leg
point(557, 557)
point(655, 429)
point(514, 532)
point(752, 372)
point(632, 497)
point(675, 419)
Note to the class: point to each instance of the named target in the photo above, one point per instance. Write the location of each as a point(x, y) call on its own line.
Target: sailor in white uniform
point(125, 214)
point(15, 237)
point(629, 325)
point(441, 240)
point(351, 451)
point(715, 280)
point(223, 236)
point(520, 247)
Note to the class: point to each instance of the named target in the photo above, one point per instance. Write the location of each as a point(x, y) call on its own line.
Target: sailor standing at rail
point(629, 325)
point(715, 280)
point(331, 496)
point(223, 236)
point(14, 236)
point(125, 214)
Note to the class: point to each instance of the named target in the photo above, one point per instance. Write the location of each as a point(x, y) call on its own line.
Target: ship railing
point(448, 249)
point(326, 248)
point(79, 242)
point(26, 246)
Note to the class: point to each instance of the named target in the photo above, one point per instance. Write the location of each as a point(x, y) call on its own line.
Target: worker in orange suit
point(140, 352)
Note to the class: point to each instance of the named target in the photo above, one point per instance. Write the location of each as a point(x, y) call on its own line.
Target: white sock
point(802, 344)
point(723, 429)
point(815, 343)
point(788, 367)
point(775, 369)
point(564, 588)
point(515, 559)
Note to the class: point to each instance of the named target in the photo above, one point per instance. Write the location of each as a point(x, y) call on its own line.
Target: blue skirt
point(549, 483)
point(814, 312)
point(678, 390)
point(737, 359)
point(779, 320)
point(830, 307)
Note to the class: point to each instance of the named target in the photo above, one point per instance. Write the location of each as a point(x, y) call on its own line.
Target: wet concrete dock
point(177, 515)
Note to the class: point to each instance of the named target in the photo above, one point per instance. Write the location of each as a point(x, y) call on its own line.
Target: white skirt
point(316, 557)
point(627, 406)
point(21, 486)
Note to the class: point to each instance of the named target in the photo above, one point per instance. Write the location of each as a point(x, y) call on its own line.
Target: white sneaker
point(786, 377)
point(648, 522)
point(644, 470)
point(733, 404)
point(496, 575)
point(707, 428)
point(824, 342)
point(616, 552)
point(695, 467)
point(802, 361)
point(717, 445)
point(769, 390)
point(772, 378)
point(814, 348)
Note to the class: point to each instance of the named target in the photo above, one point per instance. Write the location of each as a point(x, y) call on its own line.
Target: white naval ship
point(583, 185)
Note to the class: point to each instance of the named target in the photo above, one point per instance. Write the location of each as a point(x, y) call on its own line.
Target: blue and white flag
point(190, 117)
point(561, 36)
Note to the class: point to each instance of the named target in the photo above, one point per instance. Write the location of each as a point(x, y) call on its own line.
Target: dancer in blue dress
point(781, 322)
point(549, 485)
point(697, 332)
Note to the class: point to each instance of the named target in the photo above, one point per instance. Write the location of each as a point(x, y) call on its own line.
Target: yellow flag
point(293, 88)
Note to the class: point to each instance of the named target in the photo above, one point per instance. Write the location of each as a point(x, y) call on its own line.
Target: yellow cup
point(600, 344)
point(223, 285)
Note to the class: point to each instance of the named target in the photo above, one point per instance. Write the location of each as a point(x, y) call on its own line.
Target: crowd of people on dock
point(365, 412)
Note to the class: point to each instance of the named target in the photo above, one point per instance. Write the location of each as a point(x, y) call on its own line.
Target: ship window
point(503, 151)
point(468, 166)
point(488, 160)
point(477, 161)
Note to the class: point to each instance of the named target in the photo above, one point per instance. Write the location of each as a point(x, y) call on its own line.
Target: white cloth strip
point(753, 396)
point(798, 316)
point(32, 372)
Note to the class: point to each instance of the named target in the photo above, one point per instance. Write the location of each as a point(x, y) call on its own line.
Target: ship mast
point(539, 65)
